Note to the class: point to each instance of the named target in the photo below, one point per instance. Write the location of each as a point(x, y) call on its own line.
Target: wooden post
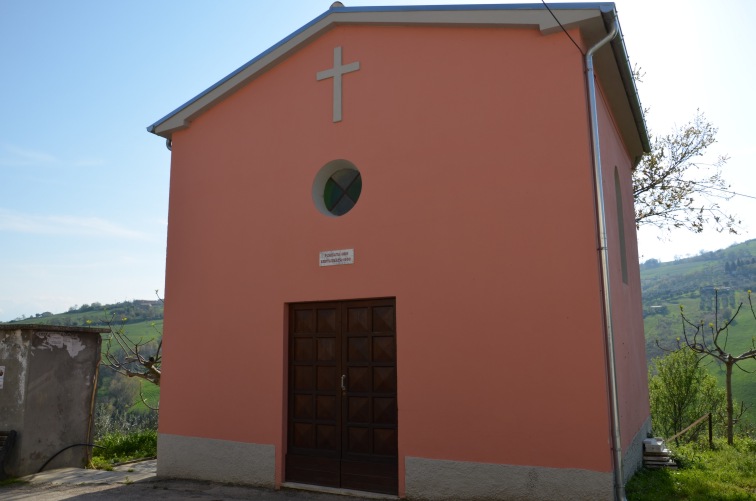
point(711, 436)
point(695, 423)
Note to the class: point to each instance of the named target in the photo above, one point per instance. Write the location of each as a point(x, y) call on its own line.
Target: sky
point(84, 186)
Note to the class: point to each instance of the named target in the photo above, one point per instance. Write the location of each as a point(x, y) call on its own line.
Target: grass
point(120, 448)
point(676, 267)
point(140, 332)
point(151, 394)
point(723, 474)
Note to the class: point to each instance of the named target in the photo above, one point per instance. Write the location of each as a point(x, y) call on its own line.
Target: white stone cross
point(335, 73)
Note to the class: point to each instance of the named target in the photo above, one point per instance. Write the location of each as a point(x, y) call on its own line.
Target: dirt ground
point(138, 482)
point(156, 489)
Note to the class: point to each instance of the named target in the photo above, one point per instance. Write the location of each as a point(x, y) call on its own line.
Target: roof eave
point(628, 80)
point(169, 123)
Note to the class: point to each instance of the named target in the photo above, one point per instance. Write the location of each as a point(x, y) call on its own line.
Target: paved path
point(137, 481)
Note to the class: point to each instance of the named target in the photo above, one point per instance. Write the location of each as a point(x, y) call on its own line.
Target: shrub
point(680, 392)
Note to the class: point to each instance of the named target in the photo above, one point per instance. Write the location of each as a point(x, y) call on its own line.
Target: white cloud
point(88, 162)
point(15, 156)
point(64, 225)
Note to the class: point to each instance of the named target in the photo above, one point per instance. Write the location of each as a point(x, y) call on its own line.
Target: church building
point(402, 259)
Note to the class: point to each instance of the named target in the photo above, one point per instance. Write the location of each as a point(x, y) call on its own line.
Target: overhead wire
point(734, 193)
point(563, 28)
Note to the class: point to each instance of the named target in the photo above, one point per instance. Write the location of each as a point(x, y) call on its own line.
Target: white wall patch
point(54, 340)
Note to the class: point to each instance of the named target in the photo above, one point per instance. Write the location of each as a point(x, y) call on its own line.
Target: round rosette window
point(337, 188)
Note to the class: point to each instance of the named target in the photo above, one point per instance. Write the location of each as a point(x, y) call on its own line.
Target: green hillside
point(98, 315)
point(710, 287)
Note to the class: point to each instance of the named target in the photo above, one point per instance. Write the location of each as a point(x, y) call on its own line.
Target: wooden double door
point(342, 422)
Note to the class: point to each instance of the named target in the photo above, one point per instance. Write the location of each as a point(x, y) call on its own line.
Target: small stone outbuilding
point(47, 393)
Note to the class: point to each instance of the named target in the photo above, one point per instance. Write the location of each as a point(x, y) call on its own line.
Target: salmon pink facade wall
point(476, 214)
point(629, 349)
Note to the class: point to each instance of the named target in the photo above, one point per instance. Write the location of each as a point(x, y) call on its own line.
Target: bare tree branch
point(719, 351)
point(673, 188)
point(140, 359)
point(144, 400)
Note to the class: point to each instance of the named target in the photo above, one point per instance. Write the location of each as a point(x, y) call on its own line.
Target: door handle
point(343, 382)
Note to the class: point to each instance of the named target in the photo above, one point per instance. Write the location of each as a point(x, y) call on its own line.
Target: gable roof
point(593, 20)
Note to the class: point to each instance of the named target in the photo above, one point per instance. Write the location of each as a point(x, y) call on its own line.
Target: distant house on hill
point(363, 220)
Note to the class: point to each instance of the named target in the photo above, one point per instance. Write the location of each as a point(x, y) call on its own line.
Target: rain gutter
point(619, 482)
point(628, 80)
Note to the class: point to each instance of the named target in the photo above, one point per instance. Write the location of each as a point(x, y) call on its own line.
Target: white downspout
point(619, 481)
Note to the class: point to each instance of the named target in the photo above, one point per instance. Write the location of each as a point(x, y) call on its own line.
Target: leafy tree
point(673, 188)
point(651, 263)
point(681, 391)
point(713, 341)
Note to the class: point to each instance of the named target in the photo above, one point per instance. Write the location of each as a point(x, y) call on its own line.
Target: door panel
point(342, 395)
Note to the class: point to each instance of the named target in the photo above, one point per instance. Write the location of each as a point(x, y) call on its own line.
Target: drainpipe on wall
point(619, 481)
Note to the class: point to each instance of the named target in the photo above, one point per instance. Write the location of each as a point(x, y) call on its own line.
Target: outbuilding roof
point(592, 19)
